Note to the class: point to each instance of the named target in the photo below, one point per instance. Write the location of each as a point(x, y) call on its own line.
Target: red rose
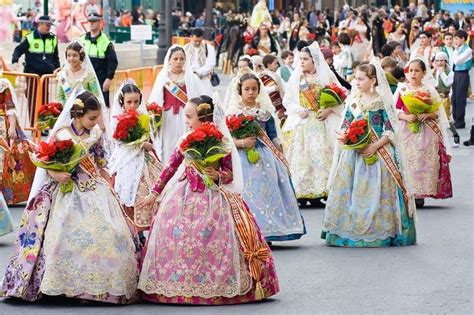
point(46, 151)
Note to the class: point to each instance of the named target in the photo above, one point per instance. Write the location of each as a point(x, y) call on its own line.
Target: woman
point(310, 130)
point(369, 203)
point(74, 243)
point(204, 246)
point(264, 42)
point(15, 164)
point(76, 74)
point(399, 36)
point(174, 86)
point(361, 39)
point(427, 146)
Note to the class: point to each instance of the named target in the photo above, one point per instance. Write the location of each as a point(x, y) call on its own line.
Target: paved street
point(435, 276)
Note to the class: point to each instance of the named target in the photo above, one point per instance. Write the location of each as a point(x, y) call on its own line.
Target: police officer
point(101, 51)
point(40, 48)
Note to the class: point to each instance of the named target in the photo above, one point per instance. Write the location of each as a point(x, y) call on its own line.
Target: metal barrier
point(32, 91)
point(29, 93)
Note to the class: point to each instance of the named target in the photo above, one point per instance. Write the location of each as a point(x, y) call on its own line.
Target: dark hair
point(369, 70)
point(355, 64)
point(447, 34)
point(86, 101)
point(420, 62)
point(301, 44)
point(427, 34)
point(398, 73)
point(461, 34)
point(268, 59)
point(344, 39)
point(198, 32)
point(176, 49)
point(286, 53)
point(246, 77)
point(77, 48)
point(129, 88)
point(386, 50)
point(248, 61)
point(394, 44)
point(204, 112)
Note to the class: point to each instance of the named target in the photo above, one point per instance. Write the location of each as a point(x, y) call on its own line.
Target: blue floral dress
point(365, 207)
point(268, 191)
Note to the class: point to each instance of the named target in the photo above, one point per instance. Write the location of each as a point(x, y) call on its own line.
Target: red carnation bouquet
point(252, 51)
point(244, 126)
point(132, 128)
point(205, 148)
point(155, 111)
point(248, 37)
point(60, 156)
point(357, 136)
point(48, 114)
point(331, 95)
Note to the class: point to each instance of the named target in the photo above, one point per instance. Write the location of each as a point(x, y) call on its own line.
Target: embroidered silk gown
point(365, 207)
point(426, 152)
point(76, 244)
point(195, 253)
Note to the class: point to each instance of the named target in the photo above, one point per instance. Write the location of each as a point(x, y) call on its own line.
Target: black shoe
point(303, 203)
point(456, 139)
point(460, 125)
point(420, 202)
point(470, 142)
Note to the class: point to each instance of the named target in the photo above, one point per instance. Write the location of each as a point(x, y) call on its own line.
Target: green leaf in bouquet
point(328, 99)
point(141, 132)
point(66, 187)
point(253, 156)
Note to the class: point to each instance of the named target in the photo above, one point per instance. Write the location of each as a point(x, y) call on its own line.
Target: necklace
point(77, 132)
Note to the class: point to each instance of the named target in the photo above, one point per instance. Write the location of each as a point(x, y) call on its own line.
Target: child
point(444, 79)
point(204, 244)
point(399, 74)
point(427, 147)
point(462, 60)
point(388, 65)
point(76, 244)
point(268, 190)
point(135, 168)
point(347, 58)
point(309, 129)
point(329, 57)
point(447, 48)
point(273, 85)
point(368, 205)
point(15, 164)
point(286, 69)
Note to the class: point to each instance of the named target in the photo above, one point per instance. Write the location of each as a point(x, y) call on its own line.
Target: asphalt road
point(435, 276)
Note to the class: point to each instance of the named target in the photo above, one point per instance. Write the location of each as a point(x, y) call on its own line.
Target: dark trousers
point(459, 96)
point(106, 98)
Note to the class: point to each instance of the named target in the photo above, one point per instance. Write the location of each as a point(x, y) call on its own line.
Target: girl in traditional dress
point(369, 205)
point(16, 169)
point(310, 131)
point(174, 85)
point(135, 168)
point(360, 42)
point(428, 149)
point(204, 245)
point(75, 244)
point(267, 185)
point(264, 42)
point(75, 74)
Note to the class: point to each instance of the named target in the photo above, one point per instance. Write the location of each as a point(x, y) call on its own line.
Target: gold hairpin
point(203, 106)
point(79, 103)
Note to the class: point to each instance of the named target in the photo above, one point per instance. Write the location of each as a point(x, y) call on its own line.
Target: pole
point(162, 36)
point(45, 7)
point(209, 21)
point(106, 12)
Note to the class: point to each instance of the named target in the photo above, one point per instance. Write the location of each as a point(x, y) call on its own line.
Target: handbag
point(215, 81)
